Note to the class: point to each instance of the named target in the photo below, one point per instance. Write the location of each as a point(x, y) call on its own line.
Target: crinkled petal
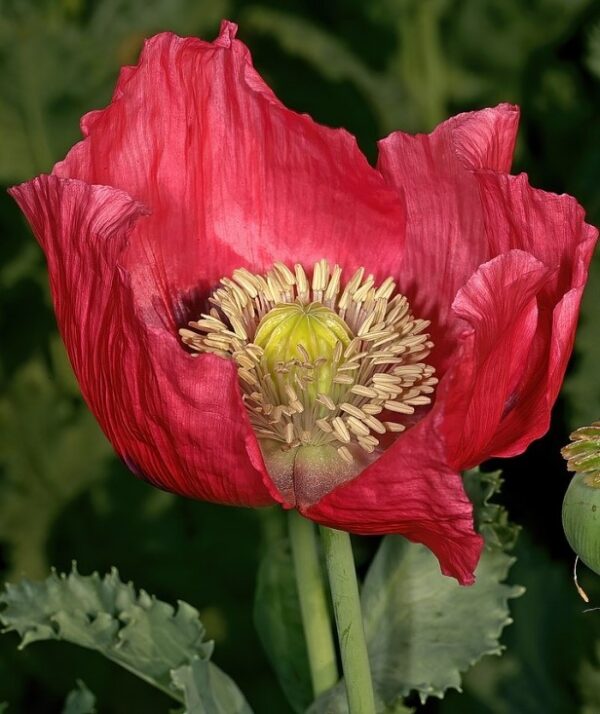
point(446, 239)
point(552, 228)
point(176, 420)
point(410, 490)
point(499, 311)
point(486, 139)
point(463, 210)
point(232, 177)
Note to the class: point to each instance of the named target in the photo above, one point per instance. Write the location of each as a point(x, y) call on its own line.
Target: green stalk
point(348, 616)
point(313, 604)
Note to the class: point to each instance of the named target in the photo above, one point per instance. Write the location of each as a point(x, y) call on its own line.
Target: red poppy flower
point(195, 173)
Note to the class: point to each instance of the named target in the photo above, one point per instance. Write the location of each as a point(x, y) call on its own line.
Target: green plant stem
point(348, 616)
point(313, 604)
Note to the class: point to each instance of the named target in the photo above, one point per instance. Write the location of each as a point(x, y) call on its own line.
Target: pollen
point(321, 362)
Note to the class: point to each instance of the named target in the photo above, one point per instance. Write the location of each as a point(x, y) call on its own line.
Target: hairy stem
point(313, 604)
point(348, 616)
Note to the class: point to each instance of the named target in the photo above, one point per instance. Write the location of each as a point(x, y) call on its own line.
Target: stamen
point(318, 360)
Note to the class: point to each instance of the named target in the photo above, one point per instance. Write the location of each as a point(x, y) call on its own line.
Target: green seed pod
point(581, 518)
point(581, 506)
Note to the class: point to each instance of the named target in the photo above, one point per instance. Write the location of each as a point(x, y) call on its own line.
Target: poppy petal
point(232, 178)
point(177, 421)
point(552, 228)
point(499, 311)
point(486, 139)
point(445, 240)
point(462, 211)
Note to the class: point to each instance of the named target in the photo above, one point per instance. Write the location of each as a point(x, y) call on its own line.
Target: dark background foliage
point(370, 67)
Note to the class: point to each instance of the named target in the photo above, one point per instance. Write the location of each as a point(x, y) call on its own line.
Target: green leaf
point(491, 519)
point(424, 630)
point(545, 646)
point(80, 701)
point(208, 690)
point(279, 624)
point(445, 628)
point(146, 636)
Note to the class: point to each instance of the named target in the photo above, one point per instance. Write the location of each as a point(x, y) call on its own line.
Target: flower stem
point(348, 616)
point(313, 604)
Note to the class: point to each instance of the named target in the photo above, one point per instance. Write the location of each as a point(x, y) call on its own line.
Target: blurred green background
point(372, 68)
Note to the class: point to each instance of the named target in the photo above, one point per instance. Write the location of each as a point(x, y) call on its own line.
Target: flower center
point(302, 339)
point(320, 364)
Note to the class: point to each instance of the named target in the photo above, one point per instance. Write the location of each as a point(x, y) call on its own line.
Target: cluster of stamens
point(346, 393)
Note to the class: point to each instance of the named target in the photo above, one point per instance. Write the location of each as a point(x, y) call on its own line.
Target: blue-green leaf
point(279, 624)
point(146, 636)
point(424, 630)
point(208, 690)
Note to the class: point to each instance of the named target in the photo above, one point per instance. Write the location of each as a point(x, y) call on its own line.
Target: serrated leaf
point(279, 624)
point(424, 630)
point(397, 708)
point(491, 519)
point(427, 613)
point(544, 647)
point(80, 701)
point(146, 636)
point(208, 690)
point(51, 450)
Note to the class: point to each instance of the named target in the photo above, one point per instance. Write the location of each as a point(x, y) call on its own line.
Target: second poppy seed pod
point(581, 505)
point(581, 518)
